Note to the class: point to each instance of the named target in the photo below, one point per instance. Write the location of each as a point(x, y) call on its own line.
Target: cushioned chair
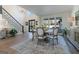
point(54, 35)
point(40, 35)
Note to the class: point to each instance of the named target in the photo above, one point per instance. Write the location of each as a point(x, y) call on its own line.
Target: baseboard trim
point(72, 44)
point(19, 33)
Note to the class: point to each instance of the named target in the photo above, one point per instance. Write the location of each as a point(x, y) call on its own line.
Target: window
point(46, 19)
point(52, 18)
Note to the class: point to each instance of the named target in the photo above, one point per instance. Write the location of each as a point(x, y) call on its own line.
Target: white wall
point(16, 12)
point(74, 27)
point(22, 15)
point(3, 23)
point(65, 18)
point(75, 9)
point(0, 21)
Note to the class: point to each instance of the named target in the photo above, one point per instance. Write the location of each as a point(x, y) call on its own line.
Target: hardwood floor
point(5, 44)
point(71, 47)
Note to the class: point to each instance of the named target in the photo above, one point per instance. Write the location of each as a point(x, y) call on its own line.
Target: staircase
point(12, 21)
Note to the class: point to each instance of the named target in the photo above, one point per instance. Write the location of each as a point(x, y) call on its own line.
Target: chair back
point(51, 30)
point(55, 31)
point(40, 31)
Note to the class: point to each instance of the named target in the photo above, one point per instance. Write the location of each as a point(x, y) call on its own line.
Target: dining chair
point(34, 34)
point(40, 35)
point(54, 35)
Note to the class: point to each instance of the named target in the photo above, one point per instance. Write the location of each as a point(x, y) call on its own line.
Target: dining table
point(49, 31)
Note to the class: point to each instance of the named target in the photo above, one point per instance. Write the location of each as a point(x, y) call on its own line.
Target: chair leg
point(53, 42)
point(40, 42)
point(57, 39)
point(33, 36)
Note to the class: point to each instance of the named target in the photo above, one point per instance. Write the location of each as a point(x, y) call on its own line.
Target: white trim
point(19, 33)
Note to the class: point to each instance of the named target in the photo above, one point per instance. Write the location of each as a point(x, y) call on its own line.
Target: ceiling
point(43, 10)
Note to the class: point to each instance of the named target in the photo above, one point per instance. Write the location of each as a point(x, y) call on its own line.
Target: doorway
point(31, 25)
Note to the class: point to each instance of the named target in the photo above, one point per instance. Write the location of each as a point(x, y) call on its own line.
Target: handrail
point(0, 9)
point(14, 19)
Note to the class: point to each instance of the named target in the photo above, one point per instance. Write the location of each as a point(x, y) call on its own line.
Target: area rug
point(31, 47)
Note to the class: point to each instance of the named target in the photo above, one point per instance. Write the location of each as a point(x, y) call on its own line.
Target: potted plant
point(13, 32)
point(65, 31)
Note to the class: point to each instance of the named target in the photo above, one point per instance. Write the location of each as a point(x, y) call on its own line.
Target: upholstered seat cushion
point(42, 37)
